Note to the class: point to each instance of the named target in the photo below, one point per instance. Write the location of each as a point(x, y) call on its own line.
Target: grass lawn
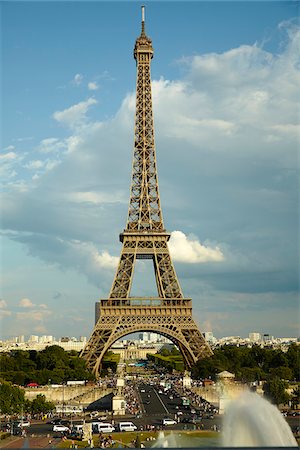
point(125, 439)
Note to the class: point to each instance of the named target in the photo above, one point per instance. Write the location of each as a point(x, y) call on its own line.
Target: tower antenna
point(143, 19)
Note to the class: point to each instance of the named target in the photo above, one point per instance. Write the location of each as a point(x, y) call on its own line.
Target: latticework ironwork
point(169, 314)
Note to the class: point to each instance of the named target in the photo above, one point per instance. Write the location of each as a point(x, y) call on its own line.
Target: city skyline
point(225, 95)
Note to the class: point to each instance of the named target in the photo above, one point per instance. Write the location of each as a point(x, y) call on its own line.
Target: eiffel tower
point(145, 237)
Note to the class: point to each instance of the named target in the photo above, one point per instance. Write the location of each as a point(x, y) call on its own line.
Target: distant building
point(254, 337)
point(209, 337)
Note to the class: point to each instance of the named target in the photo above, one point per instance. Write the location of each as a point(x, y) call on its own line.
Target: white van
point(127, 426)
point(102, 427)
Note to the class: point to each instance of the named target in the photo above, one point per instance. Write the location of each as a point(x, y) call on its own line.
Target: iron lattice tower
point(169, 314)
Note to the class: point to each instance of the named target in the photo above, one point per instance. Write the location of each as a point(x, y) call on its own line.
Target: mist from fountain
point(252, 421)
point(165, 441)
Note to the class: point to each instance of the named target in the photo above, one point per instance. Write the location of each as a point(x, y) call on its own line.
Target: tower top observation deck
point(143, 44)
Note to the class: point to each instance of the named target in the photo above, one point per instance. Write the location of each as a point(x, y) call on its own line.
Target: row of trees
point(171, 359)
point(52, 365)
point(248, 364)
point(251, 364)
point(12, 401)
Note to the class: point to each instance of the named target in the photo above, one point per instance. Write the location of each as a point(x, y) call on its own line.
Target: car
point(186, 419)
point(169, 421)
point(61, 428)
point(56, 421)
point(24, 424)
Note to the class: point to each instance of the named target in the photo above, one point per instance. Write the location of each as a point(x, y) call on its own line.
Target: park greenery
point(50, 366)
point(247, 364)
point(171, 359)
point(54, 365)
point(12, 401)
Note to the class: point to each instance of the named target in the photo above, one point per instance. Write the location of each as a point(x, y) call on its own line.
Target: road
point(156, 404)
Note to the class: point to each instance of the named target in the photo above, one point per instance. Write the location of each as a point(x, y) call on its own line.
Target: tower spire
point(143, 20)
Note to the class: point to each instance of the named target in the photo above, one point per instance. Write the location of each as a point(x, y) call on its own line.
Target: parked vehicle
point(61, 428)
point(24, 424)
point(78, 428)
point(167, 421)
point(127, 426)
point(102, 427)
point(54, 421)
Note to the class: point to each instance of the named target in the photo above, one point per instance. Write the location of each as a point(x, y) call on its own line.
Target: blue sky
point(225, 98)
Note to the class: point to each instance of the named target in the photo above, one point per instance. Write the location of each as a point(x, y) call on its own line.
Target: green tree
point(282, 372)
point(11, 398)
point(40, 405)
point(295, 397)
point(53, 357)
point(293, 358)
point(275, 391)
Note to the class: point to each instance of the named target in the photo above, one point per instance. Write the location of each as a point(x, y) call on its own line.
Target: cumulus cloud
point(34, 315)
point(5, 313)
point(74, 115)
point(8, 156)
point(51, 145)
point(77, 80)
point(26, 303)
point(96, 198)
point(226, 134)
point(93, 86)
point(33, 165)
point(3, 304)
point(189, 250)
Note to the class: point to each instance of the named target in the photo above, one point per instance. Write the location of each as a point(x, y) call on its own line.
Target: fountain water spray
point(251, 421)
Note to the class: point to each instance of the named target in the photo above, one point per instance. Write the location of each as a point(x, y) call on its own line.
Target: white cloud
point(8, 156)
point(9, 148)
point(93, 259)
point(96, 198)
point(5, 313)
point(51, 145)
point(26, 303)
point(77, 80)
point(189, 250)
point(105, 260)
point(34, 315)
point(33, 165)
point(93, 86)
point(225, 134)
point(3, 304)
point(75, 115)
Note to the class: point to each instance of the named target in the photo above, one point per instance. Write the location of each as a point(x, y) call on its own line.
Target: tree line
point(12, 401)
point(251, 364)
point(53, 365)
